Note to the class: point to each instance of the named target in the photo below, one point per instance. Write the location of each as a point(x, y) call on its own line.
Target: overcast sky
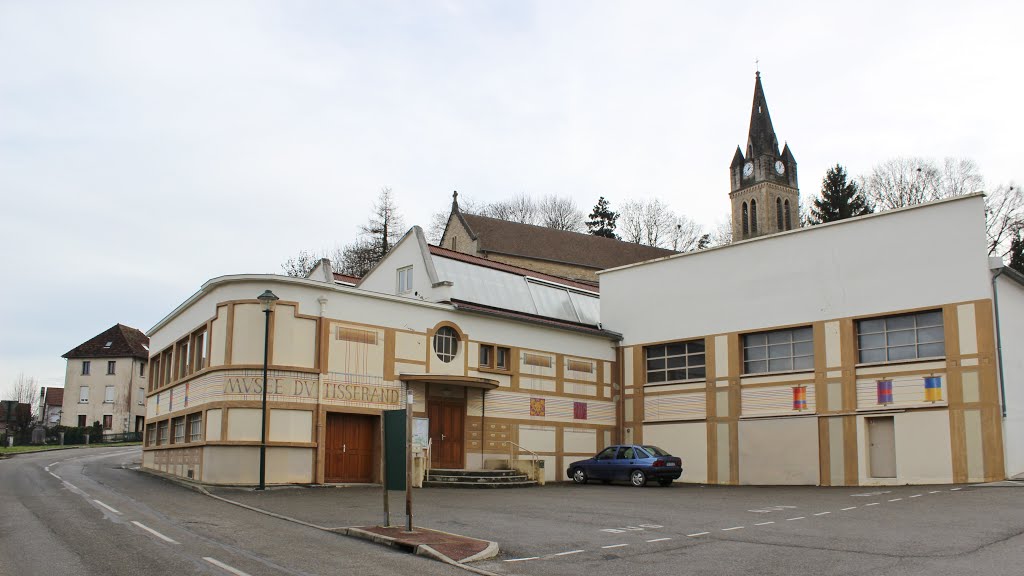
point(146, 147)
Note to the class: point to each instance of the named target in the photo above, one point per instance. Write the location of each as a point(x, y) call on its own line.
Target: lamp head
point(267, 299)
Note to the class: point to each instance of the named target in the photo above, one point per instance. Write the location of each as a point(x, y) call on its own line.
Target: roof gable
point(117, 341)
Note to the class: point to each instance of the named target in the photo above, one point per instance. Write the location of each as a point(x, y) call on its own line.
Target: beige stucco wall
point(244, 423)
point(688, 441)
point(289, 465)
point(779, 451)
point(247, 335)
point(364, 355)
point(213, 424)
point(231, 464)
point(126, 382)
point(291, 425)
point(579, 441)
point(294, 338)
point(218, 337)
point(923, 452)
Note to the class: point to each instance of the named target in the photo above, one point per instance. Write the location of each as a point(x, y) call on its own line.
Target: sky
point(146, 147)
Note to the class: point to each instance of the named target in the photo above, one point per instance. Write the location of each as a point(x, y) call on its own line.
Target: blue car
point(635, 463)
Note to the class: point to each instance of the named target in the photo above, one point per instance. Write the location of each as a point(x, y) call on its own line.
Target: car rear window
point(656, 451)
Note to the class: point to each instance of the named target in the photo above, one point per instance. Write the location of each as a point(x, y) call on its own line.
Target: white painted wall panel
point(688, 441)
point(779, 451)
point(1011, 329)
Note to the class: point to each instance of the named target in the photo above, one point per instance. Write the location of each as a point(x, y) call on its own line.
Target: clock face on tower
point(779, 167)
point(748, 169)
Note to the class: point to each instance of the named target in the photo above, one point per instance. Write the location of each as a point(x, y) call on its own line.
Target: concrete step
point(472, 473)
point(475, 479)
point(515, 484)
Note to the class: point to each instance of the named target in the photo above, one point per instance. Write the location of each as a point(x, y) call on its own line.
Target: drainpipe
point(999, 341)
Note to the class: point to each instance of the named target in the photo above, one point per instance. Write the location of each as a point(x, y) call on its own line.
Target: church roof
point(761, 138)
point(542, 243)
point(117, 341)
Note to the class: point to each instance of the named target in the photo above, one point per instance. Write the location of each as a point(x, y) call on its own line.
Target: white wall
point(779, 451)
point(927, 255)
point(1011, 329)
point(384, 278)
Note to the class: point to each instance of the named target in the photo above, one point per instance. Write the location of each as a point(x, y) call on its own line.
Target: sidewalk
point(358, 511)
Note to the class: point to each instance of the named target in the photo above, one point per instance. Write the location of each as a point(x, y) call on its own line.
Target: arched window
point(753, 217)
point(446, 343)
point(778, 213)
point(746, 229)
point(789, 223)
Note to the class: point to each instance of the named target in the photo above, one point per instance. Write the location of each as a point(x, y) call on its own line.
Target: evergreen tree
point(602, 220)
point(1017, 252)
point(839, 199)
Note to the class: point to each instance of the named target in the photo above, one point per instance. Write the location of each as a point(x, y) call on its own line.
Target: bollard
point(86, 439)
point(10, 441)
point(61, 438)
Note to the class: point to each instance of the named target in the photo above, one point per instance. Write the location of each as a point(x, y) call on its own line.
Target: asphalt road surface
point(81, 512)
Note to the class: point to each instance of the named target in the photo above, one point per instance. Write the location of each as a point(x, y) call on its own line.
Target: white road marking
point(872, 504)
point(822, 513)
point(694, 535)
point(917, 495)
point(934, 491)
point(54, 464)
point(615, 546)
point(850, 508)
point(763, 523)
point(224, 566)
point(55, 476)
point(70, 485)
point(797, 518)
point(650, 525)
point(659, 539)
point(47, 468)
point(895, 499)
point(105, 506)
point(523, 559)
point(954, 489)
point(154, 532)
point(733, 528)
point(569, 552)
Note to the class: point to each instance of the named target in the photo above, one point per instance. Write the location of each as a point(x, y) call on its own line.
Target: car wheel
point(579, 476)
point(638, 478)
point(665, 481)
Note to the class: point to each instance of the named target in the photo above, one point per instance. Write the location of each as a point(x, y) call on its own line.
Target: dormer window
point(405, 280)
point(108, 344)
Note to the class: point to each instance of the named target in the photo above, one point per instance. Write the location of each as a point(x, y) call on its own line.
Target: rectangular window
point(183, 367)
point(195, 427)
point(199, 350)
point(179, 429)
point(675, 361)
point(110, 366)
point(154, 373)
point(81, 421)
point(502, 358)
point(142, 396)
point(83, 395)
point(108, 421)
point(150, 434)
point(161, 430)
point(168, 368)
point(903, 337)
point(405, 279)
point(778, 351)
point(486, 356)
point(142, 369)
point(85, 367)
point(108, 395)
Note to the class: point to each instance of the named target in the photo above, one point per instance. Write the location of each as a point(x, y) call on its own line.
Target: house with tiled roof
point(557, 252)
point(51, 403)
point(105, 381)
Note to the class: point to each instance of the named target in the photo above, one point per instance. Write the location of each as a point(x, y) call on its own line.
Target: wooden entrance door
point(447, 426)
point(348, 448)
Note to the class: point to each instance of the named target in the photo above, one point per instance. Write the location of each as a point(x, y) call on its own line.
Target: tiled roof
point(533, 318)
point(543, 243)
point(54, 397)
point(118, 341)
point(345, 278)
point(520, 271)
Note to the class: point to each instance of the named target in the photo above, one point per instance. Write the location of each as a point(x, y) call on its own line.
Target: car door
point(623, 463)
point(599, 470)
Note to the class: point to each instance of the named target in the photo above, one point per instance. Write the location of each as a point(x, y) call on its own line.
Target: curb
point(490, 551)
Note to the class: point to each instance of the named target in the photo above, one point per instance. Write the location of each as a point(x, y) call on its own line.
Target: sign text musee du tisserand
point(307, 388)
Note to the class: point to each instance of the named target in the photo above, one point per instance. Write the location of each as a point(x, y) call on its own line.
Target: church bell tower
point(764, 193)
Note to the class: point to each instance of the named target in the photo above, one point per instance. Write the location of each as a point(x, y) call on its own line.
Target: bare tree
point(687, 235)
point(560, 213)
point(960, 176)
point(1004, 214)
point(301, 265)
point(905, 181)
point(520, 208)
point(721, 233)
point(24, 389)
point(439, 220)
point(357, 258)
point(649, 222)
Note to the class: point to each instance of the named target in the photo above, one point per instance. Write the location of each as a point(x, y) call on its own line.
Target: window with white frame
point(162, 433)
point(903, 337)
point(778, 351)
point(405, 279)
point(195, 427)
point(110, 366)
point(108, 395)
point(83, 395)
point(675, 361)
point(446, 343)
point(179, 429)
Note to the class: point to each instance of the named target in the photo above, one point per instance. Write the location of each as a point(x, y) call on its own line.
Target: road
point(82, 512)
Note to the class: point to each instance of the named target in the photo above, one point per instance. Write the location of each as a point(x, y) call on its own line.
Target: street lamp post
point(267, 299)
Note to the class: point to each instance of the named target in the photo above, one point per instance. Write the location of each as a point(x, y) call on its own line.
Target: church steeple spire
point(761, 138)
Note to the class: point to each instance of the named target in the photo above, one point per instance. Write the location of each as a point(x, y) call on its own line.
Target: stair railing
point(511, 455)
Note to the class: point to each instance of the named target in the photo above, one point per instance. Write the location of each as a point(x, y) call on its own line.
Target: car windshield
point(656, 451)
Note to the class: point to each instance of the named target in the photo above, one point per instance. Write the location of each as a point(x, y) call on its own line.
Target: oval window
point(446, 343)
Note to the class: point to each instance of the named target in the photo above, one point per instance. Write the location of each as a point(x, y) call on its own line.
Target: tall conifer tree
point(1017, 252)
point(602, 220)
point(840, 199)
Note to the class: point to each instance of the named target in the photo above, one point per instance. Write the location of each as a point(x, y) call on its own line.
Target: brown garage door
point(348, 449)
